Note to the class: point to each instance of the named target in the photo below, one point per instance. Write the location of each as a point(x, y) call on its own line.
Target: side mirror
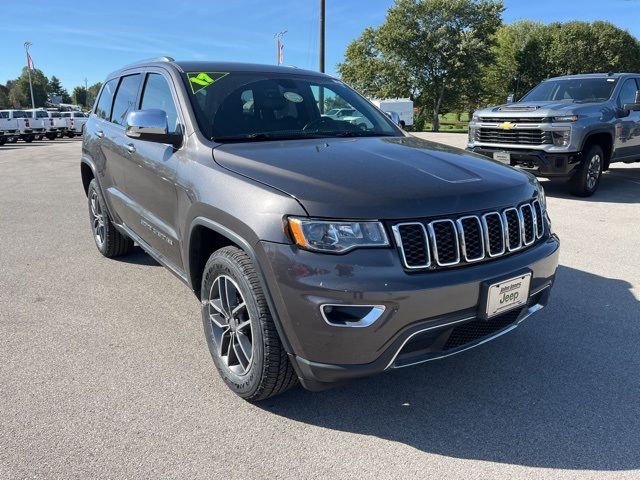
point(150, 125)
point(511, 98)
point(635, 106)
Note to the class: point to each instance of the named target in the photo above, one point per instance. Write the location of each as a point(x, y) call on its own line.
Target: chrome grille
point(524, 136)
point(470, 238)
point(536, 120)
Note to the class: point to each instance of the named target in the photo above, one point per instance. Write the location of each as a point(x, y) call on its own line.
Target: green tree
point(427, 49)
point(79, 96)
point(527, 52)
point(19, 94)
point(92, 93)
point(55, 88)
point(4, 98)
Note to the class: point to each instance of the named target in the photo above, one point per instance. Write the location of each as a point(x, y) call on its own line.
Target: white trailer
point(402, 106)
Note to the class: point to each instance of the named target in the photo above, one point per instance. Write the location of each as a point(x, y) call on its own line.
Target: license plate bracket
point(502, 295)
point(504, 157)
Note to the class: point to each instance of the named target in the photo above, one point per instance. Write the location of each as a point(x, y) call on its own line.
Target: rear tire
point(240, 332)
point(3, 140)
point(586, 180)
point(52, 136)
point(109, 241)
point(29, 138)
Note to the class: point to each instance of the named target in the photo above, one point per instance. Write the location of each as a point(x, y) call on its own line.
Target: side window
point(627, 92)
point(4, 115)
point(103, 109)
point(157, 94)
point(125, 100)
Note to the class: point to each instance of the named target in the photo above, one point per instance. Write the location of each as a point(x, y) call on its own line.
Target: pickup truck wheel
point(239, 329)
point(29, 138)
point(110, 242)
point(51, 136)
point(585, 181)
point(3, 140)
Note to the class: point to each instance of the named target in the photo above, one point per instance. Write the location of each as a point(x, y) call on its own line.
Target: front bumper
point(538, 162)
point(426, 307)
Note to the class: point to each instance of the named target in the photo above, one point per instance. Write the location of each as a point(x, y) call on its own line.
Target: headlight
point(565, 118)
point(561, 138)
point(542, 198)
point(336, 236)
point(475, 118)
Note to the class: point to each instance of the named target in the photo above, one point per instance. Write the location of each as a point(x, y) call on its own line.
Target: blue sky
point(74, 40)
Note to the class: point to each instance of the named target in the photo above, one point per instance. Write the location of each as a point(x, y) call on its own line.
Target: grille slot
point(477, 329)
point(528, 224)
point(444, 237)
point(539, 218)
point(494, 233)
point(528, 136)
point(513, 229)
point(471, 238)
point(413, 243)
point(519, 120)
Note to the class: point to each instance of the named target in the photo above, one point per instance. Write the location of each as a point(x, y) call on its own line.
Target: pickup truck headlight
point(561, 138)
point(564, 118)
point(336, 236)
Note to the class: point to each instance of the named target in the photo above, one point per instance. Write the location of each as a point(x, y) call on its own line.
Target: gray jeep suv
point(569, 127)
point(320, 250)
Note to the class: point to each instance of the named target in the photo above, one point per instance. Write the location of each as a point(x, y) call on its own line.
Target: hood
point(378, 178)
point(539, 109)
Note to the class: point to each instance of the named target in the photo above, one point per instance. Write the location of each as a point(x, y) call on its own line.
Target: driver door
point(627, 135)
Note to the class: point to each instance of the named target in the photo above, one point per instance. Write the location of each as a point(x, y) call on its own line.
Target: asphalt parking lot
point(105, 372)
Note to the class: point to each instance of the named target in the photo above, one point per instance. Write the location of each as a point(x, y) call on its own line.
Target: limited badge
point(200, 80)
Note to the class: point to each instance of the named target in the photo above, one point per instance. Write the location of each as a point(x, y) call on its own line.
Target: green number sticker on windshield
point(200, 80)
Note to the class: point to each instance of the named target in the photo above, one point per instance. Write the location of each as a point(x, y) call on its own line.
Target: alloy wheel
point(593, 171)
point(97, 219)
point(230, 322)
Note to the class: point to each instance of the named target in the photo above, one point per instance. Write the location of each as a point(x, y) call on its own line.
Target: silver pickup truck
point(569, 127)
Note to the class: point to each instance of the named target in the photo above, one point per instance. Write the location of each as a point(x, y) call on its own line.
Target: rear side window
point(125, 100)
point(4, 114)
point(42, 114)
point(103, 109)
point(157, 94)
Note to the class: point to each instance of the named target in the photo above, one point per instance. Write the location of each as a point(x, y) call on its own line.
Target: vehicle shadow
point(561, 391)
point(618, 185)
point(138, 256)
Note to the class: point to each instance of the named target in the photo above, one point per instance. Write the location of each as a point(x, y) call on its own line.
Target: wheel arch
point(87, 171)
point(604, 139)
point(205, 237)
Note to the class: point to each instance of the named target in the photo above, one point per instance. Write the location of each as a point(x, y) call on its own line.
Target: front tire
point(240, 332)
point(109, 241)
point(586, 180)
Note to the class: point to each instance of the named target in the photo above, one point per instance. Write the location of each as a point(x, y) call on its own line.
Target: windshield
point(577, 89)
point(259, 106)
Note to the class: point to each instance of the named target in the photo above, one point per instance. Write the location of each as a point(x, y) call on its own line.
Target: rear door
point(151, 173)
point(113, 143)
point(628, 128)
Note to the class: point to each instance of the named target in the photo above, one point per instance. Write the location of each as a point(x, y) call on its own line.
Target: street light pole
point(278, 36)
point(26, 47)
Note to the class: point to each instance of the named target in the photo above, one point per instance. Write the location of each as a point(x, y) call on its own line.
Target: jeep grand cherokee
point(320, 250)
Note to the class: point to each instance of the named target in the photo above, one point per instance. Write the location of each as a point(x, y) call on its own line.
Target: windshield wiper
point(361, 134)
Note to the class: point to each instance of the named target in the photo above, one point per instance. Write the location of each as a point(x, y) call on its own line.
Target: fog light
point(561, 138)
point(339, 315)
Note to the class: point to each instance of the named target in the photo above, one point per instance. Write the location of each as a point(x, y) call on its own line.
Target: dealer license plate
point(508, 294)
point(504, 157)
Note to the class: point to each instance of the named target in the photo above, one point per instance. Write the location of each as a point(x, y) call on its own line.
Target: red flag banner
point(29, 62)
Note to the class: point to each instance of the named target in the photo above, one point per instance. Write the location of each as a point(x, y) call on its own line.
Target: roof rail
point(163, 58)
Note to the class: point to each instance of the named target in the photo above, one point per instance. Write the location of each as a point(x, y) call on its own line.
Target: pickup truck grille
point(519, 136)
point(518, 120)
point(441, 243)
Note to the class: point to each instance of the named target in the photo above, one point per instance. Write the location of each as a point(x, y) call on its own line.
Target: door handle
point(99, 133)
point(130, 147)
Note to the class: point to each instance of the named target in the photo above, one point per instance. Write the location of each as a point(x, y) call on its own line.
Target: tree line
point(458, 55)
point(16, 94)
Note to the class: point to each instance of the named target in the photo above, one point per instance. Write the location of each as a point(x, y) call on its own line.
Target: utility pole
point(29, 65)
point(322, 22)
